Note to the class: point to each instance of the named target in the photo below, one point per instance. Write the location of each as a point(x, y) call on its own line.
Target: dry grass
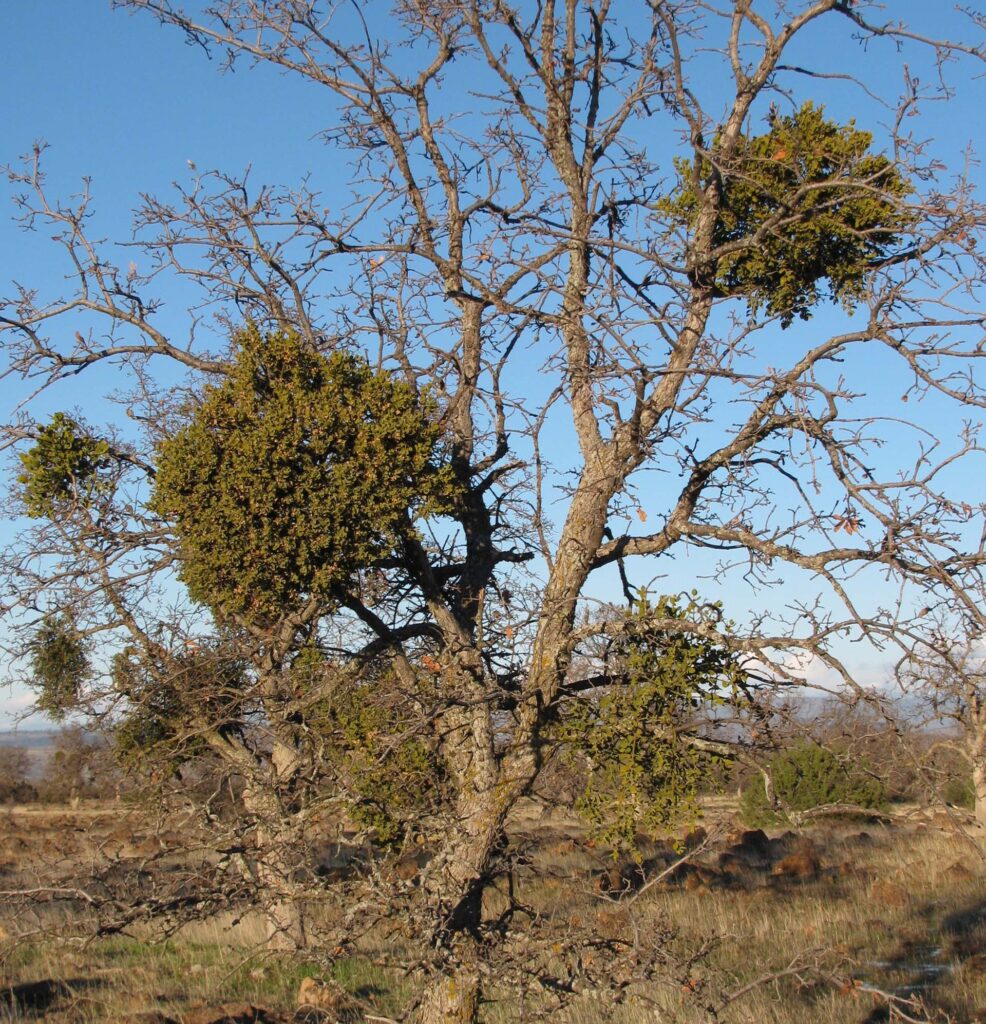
point(113, 978)
point(901, 910)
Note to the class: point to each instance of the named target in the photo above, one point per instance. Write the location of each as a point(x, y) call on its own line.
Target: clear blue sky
point(129, 104)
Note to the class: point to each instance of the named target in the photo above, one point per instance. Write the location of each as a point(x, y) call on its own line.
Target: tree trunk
point(451, 1000)
point(274, 869)
point(285, 916)
point(454, 883)
point(979, 791)
point(453, 997)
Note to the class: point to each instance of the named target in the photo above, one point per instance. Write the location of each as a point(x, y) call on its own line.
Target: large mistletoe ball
point(292, 475)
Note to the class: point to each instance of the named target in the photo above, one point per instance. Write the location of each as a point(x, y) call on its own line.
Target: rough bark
point(274, 867)
point(979, 791)
point(451, 1000)
point(286, 927)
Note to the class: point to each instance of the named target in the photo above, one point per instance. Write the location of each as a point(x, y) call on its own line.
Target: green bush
point(809, 776)
point(959, 792)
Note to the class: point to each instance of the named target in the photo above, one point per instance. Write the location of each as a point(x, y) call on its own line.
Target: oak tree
point(579, 298)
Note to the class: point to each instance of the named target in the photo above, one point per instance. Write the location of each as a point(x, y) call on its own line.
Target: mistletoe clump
point(389, 769)
point(292, 475)
point(637, 735)
point(395, 777)
point(65, 466)
point(59, 665)
point(803, 203)
point(168, 697)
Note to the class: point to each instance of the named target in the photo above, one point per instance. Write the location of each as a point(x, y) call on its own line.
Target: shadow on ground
point(35, 998)
point(920, 964)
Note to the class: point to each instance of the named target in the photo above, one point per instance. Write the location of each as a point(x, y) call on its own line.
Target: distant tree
point(15, 776)
point(525, 346)
point(948, 680)
point(81, 766)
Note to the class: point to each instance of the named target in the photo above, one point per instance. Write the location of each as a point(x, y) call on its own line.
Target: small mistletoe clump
point(636, 735)
point(65, 466)
point(59, 665)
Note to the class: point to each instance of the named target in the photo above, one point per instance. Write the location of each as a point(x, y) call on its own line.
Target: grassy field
point(850, 915)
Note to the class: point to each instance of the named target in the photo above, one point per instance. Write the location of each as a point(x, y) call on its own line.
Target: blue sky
point(118, 99)
point(129, 104)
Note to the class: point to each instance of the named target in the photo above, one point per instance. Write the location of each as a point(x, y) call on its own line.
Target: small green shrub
point(393, 776)
point(959, 792)
point(808, 776)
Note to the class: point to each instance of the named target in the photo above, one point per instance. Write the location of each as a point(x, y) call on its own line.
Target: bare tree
point(518, 240)
point(15, 770)
point(947, 680)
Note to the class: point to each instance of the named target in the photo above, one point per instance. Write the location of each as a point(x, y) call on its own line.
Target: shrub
point(959, 792)
point(809, 776)
point(393, 775)
point(65, 467)
point(15, 769)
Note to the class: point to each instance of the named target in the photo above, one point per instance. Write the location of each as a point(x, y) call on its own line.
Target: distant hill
point(29, 739)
